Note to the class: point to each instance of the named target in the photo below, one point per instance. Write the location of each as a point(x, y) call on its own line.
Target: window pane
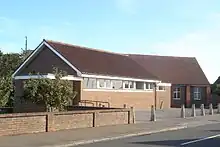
point(126, 84)
point(178, 95)
point(139, 85)
point(101, 83)
point(149, 85)
point(131, 84)
point(116, 84)
point(108, 83)
point(85, 82)
point(91, 83)
point(161, 87)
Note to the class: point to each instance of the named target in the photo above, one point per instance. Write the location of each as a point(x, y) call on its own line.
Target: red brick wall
point(22, 123)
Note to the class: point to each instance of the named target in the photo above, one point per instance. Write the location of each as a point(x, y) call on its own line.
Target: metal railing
point(95, 103)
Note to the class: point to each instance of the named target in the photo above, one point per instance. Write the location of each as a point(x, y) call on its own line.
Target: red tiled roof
point(93, 61)
point(176, 70)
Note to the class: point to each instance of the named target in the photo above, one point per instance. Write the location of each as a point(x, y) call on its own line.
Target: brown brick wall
point(138, 100)
point(72, 121)
point(104, 119)
point(22, 123)
point(164, 98)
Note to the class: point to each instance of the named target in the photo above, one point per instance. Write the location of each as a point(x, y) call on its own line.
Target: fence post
point(153, 114)
point(193, 110)
point(210, 109)
point(202, 110)
point(183, 111)
point(218, 108)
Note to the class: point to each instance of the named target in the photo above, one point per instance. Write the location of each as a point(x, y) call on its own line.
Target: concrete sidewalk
point(89, 135)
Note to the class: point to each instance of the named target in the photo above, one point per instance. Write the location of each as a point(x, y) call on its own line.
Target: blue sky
point(163, 27)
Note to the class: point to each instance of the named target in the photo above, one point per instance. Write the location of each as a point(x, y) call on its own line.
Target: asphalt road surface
point(203, 136)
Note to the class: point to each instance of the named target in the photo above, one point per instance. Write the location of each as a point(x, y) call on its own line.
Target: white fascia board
point(53, 50)
point(119, 78)
point(164, 84)
point(49, 76)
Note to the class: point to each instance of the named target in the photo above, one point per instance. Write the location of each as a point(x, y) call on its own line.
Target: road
point(203, 136)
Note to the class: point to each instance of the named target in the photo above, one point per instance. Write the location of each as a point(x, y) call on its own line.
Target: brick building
point(189, 83)
point(99, 77)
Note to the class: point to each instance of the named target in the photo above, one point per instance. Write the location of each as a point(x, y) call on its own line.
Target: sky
point(159, 27)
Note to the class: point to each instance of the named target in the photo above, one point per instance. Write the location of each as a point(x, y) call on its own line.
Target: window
point(101, 83)
point(177, 93)
point(126, 84)
point(117, 84)
point(161, 88)
point(89, 83)
point(140, 85)
point(129, 85)
point(108, 83)
point(149, 86)
point(196, 93)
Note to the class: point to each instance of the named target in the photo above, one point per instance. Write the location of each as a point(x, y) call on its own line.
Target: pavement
point(142, 116)
point(202, 136)
point(75, 137)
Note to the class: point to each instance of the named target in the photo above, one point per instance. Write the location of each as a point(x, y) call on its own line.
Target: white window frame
point(175, 93)
point(197, 92)
point(147, 86)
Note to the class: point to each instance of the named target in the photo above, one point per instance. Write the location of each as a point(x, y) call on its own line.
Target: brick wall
point(164, 98)
point(22, 123)
point(138, 100)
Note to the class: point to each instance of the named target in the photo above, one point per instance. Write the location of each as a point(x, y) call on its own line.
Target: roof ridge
point(160, 55)
point(84, 47)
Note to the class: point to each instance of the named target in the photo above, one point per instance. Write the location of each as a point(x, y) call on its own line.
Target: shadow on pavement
point(171, 143)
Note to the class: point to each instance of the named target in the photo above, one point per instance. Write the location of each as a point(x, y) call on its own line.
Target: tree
point(6, 91)
point(8, 63)
point(52, 93)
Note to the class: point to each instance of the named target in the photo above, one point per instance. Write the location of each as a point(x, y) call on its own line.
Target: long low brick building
point(106, 79)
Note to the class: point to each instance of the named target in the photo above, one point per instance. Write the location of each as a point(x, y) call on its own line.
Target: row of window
point(92, 83)
point(196, 93)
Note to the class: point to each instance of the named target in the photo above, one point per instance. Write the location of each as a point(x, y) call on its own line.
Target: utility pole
point(25, 43)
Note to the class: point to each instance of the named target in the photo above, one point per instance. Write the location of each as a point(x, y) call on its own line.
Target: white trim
point(164, 84)
point(37, 51)
point(118, 78)
point(48, 76)
point(120, 90)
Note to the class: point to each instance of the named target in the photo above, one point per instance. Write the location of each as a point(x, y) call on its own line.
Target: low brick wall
point(23, 123)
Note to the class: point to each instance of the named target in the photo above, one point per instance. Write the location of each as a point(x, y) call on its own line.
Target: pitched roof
point(93, 61)
point(175, 70)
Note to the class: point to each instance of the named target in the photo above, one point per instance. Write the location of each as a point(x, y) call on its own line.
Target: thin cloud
point(127, 6)
point(203, 44)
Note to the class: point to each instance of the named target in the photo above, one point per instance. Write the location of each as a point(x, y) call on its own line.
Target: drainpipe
point(155, 96)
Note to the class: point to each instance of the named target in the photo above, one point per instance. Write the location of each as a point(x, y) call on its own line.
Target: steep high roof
point(176, 70)
point(93, 61)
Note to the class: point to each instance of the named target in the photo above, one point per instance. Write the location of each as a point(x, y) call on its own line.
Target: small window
point(117, 84)
point(149, 86)
point(126, 84)
point(131, 85)
point(197, 93)
point(108, 83)
point(161, 88)
point(89, 83)
point(140, 85)
point(177, 93)
point(101, 83)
